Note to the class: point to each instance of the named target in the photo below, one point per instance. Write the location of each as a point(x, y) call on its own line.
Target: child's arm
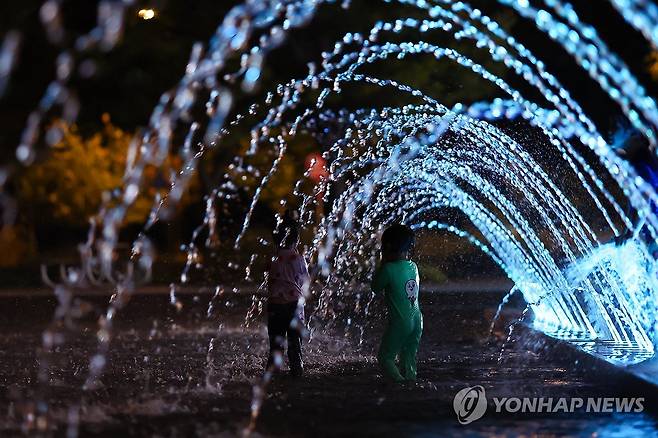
point(379, 280)
point(304, 268)
point(307, 279)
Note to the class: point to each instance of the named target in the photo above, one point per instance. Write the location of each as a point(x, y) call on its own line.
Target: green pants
point(401, 339)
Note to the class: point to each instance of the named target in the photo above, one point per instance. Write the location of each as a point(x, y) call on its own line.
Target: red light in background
point(316, 166)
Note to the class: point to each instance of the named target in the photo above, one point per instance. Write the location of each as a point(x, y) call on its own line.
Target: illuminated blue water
point(426, 164)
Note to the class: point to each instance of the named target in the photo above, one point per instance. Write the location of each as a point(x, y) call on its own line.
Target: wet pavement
point(162, 380)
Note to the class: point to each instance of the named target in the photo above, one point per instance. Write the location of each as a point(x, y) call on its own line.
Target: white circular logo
point(470, 404)
point(411, 287)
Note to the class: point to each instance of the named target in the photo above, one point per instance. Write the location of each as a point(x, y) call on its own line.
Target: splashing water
point(455, 169)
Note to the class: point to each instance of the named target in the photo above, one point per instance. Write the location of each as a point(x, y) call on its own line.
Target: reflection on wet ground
point(162, 380)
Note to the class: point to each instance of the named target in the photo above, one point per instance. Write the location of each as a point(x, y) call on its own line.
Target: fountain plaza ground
point(161, 381)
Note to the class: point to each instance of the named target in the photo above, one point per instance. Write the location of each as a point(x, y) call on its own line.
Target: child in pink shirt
point(287, 278)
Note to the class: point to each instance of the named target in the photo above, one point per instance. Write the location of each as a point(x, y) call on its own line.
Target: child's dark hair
point(631, 144)
point(286, 234)
point(398, 239)
point(636, 149)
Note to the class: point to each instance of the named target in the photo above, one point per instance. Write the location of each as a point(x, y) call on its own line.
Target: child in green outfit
point(397, 277)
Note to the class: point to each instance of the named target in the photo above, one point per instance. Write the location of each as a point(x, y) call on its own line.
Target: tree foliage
point(68, 186)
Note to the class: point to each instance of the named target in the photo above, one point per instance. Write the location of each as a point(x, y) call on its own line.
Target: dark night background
point(152, 56)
